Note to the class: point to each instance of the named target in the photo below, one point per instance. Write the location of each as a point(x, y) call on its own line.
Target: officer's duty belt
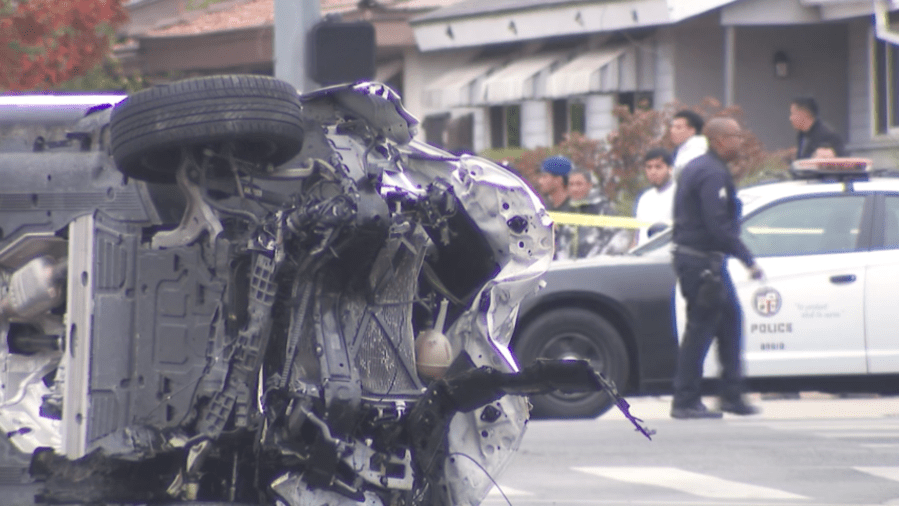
point(687, 250)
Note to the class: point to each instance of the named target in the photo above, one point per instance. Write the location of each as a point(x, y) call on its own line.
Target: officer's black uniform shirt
point(706, 209)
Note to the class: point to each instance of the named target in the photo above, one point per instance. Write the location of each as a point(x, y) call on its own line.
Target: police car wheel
point(257, 116)
point(569, 334)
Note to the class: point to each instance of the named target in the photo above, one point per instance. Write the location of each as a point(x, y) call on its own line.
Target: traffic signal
point(341, 52)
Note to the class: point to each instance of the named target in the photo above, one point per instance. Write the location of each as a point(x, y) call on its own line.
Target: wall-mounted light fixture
point(781, 65)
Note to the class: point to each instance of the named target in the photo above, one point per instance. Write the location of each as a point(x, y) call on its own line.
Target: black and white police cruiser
point(828, 242)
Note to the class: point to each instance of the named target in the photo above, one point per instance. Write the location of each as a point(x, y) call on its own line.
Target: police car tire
point(594, 338)
point(258, 115)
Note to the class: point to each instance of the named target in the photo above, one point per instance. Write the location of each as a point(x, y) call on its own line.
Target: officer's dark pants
point(706, 319)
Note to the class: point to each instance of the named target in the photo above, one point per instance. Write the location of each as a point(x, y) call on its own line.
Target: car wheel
point(258, 116)
point(569, 334)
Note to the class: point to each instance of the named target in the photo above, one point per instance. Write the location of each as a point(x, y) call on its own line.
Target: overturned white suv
point(222, 292)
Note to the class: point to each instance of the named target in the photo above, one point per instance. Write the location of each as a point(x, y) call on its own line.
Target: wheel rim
point(574, 345)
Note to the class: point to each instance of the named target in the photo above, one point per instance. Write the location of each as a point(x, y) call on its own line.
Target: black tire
point(574, 333)
point(258, 115)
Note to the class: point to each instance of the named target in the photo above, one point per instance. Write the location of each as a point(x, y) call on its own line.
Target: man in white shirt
point(656, 204)
point(685, 134)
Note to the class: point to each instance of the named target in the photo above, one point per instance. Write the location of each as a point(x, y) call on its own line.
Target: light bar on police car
point(832, 166)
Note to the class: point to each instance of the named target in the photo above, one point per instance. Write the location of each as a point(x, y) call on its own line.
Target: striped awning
point(595, 71)
point(519, 80)
point(457, 87)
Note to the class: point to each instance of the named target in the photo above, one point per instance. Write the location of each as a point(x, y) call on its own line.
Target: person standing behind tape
point(587, 241)
point(553, 185)
point(553, 182)
point(656, 203)
point(706, 232)
point(686, 134)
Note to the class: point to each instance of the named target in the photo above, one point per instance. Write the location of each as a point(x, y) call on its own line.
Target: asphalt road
point(814, 451)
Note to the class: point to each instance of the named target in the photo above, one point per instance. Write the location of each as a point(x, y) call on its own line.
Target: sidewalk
point(808, 405)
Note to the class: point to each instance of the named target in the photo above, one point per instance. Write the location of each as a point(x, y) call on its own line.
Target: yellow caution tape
point(597, 220)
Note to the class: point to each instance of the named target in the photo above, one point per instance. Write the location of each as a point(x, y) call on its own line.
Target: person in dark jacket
point(706, 233)
point(553, 185)
point(812, 133)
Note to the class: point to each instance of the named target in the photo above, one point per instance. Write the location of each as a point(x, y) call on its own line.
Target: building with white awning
point(456, 62)
point(570, 62)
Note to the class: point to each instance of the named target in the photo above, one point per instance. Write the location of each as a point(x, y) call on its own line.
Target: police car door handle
point(845, 278)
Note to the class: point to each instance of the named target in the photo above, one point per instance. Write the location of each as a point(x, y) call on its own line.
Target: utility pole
point(293, 20)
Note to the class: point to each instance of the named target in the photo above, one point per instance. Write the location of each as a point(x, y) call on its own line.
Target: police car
point(822, 318)
point(829, 246)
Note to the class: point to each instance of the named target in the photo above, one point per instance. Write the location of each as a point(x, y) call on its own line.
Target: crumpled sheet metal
point(493, 197)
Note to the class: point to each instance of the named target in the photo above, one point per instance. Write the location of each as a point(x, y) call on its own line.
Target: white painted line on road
point(855, 425)
point(890, 473)
point(858, 435)
point(686, 481)
point(827, 426)
point(595, 501)
point(509, 491)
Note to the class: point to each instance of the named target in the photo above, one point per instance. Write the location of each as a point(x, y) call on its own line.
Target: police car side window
point(805, 226)
point(891, 223)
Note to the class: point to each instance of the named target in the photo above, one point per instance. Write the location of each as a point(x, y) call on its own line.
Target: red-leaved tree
point(46, 42)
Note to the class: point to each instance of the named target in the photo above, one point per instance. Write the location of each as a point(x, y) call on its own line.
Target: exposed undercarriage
point(243, 320)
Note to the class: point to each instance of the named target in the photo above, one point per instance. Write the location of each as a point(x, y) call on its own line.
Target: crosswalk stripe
point(805, 427)
point(686, 481)
point(890, 473)
point(859, 434)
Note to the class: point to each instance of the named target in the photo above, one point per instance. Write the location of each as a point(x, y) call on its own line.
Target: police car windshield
point(659, 241)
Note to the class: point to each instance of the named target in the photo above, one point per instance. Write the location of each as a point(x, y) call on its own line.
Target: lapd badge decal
point(766, 301)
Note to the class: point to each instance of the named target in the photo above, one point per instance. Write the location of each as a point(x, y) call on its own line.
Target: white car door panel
point(882, 296)
point(881, 312)
point(807, 316)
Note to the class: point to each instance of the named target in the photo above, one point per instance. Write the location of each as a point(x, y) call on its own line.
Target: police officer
point(706, 232)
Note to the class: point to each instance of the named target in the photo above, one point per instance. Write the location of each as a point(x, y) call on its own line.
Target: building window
point(568, 116)
point(435, 129)
point(505, 126)
point(635, 100)
point(460, 134)
point(886, 86)
point(577, 117)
